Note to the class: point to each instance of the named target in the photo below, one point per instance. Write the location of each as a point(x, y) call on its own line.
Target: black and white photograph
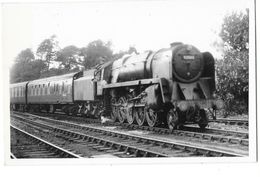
point(116, 82)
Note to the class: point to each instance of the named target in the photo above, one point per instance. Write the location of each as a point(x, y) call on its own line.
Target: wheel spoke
point(152, 117)
point(122, 115)
point(130, 118)
point(141, 117)
point(114, 111)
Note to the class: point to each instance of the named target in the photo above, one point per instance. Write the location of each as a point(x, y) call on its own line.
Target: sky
point(146, 25)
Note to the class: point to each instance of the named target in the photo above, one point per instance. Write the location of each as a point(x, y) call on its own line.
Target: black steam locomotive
point(171, 86)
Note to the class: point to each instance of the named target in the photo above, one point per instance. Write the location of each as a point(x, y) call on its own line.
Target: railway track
point(238, 122)
point(128, 144)
point(26, 145)
point(209, 134)
point(215, 135)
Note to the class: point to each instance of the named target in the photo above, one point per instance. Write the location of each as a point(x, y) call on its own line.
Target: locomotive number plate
point(188, 57)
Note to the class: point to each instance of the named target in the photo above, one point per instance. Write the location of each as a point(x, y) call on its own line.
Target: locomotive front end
point(187, 63)
point(192, 86)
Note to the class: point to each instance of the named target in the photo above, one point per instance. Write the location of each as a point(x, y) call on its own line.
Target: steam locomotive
point(172, 86)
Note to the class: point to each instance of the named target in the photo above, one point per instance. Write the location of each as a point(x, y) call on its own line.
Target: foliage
point(232, 71)
point(25, 67)
point(95, 53)
point(47, 50)
point(69, 57)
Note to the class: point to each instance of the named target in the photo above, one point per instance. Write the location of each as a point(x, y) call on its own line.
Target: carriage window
point(55, 88)
point(65, 88)
point(62, 89)
point(48, 89)
point(58, 88)
point(19, 91)
point(68, 89)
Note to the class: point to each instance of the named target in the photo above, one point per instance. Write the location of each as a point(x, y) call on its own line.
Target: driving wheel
point(152, 117)
point(122, 112)
point(114, 110)
point(140, 119)
point(130, 118)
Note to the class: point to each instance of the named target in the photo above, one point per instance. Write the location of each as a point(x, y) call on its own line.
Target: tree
point(69, 57)
point(95, 53)
point(26, 67)
point(21, 70)
point(235, 31)
point(47, 50)
point(232, 71)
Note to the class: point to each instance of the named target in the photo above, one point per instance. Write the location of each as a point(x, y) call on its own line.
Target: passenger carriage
point(51, 93)
point(18, 96)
